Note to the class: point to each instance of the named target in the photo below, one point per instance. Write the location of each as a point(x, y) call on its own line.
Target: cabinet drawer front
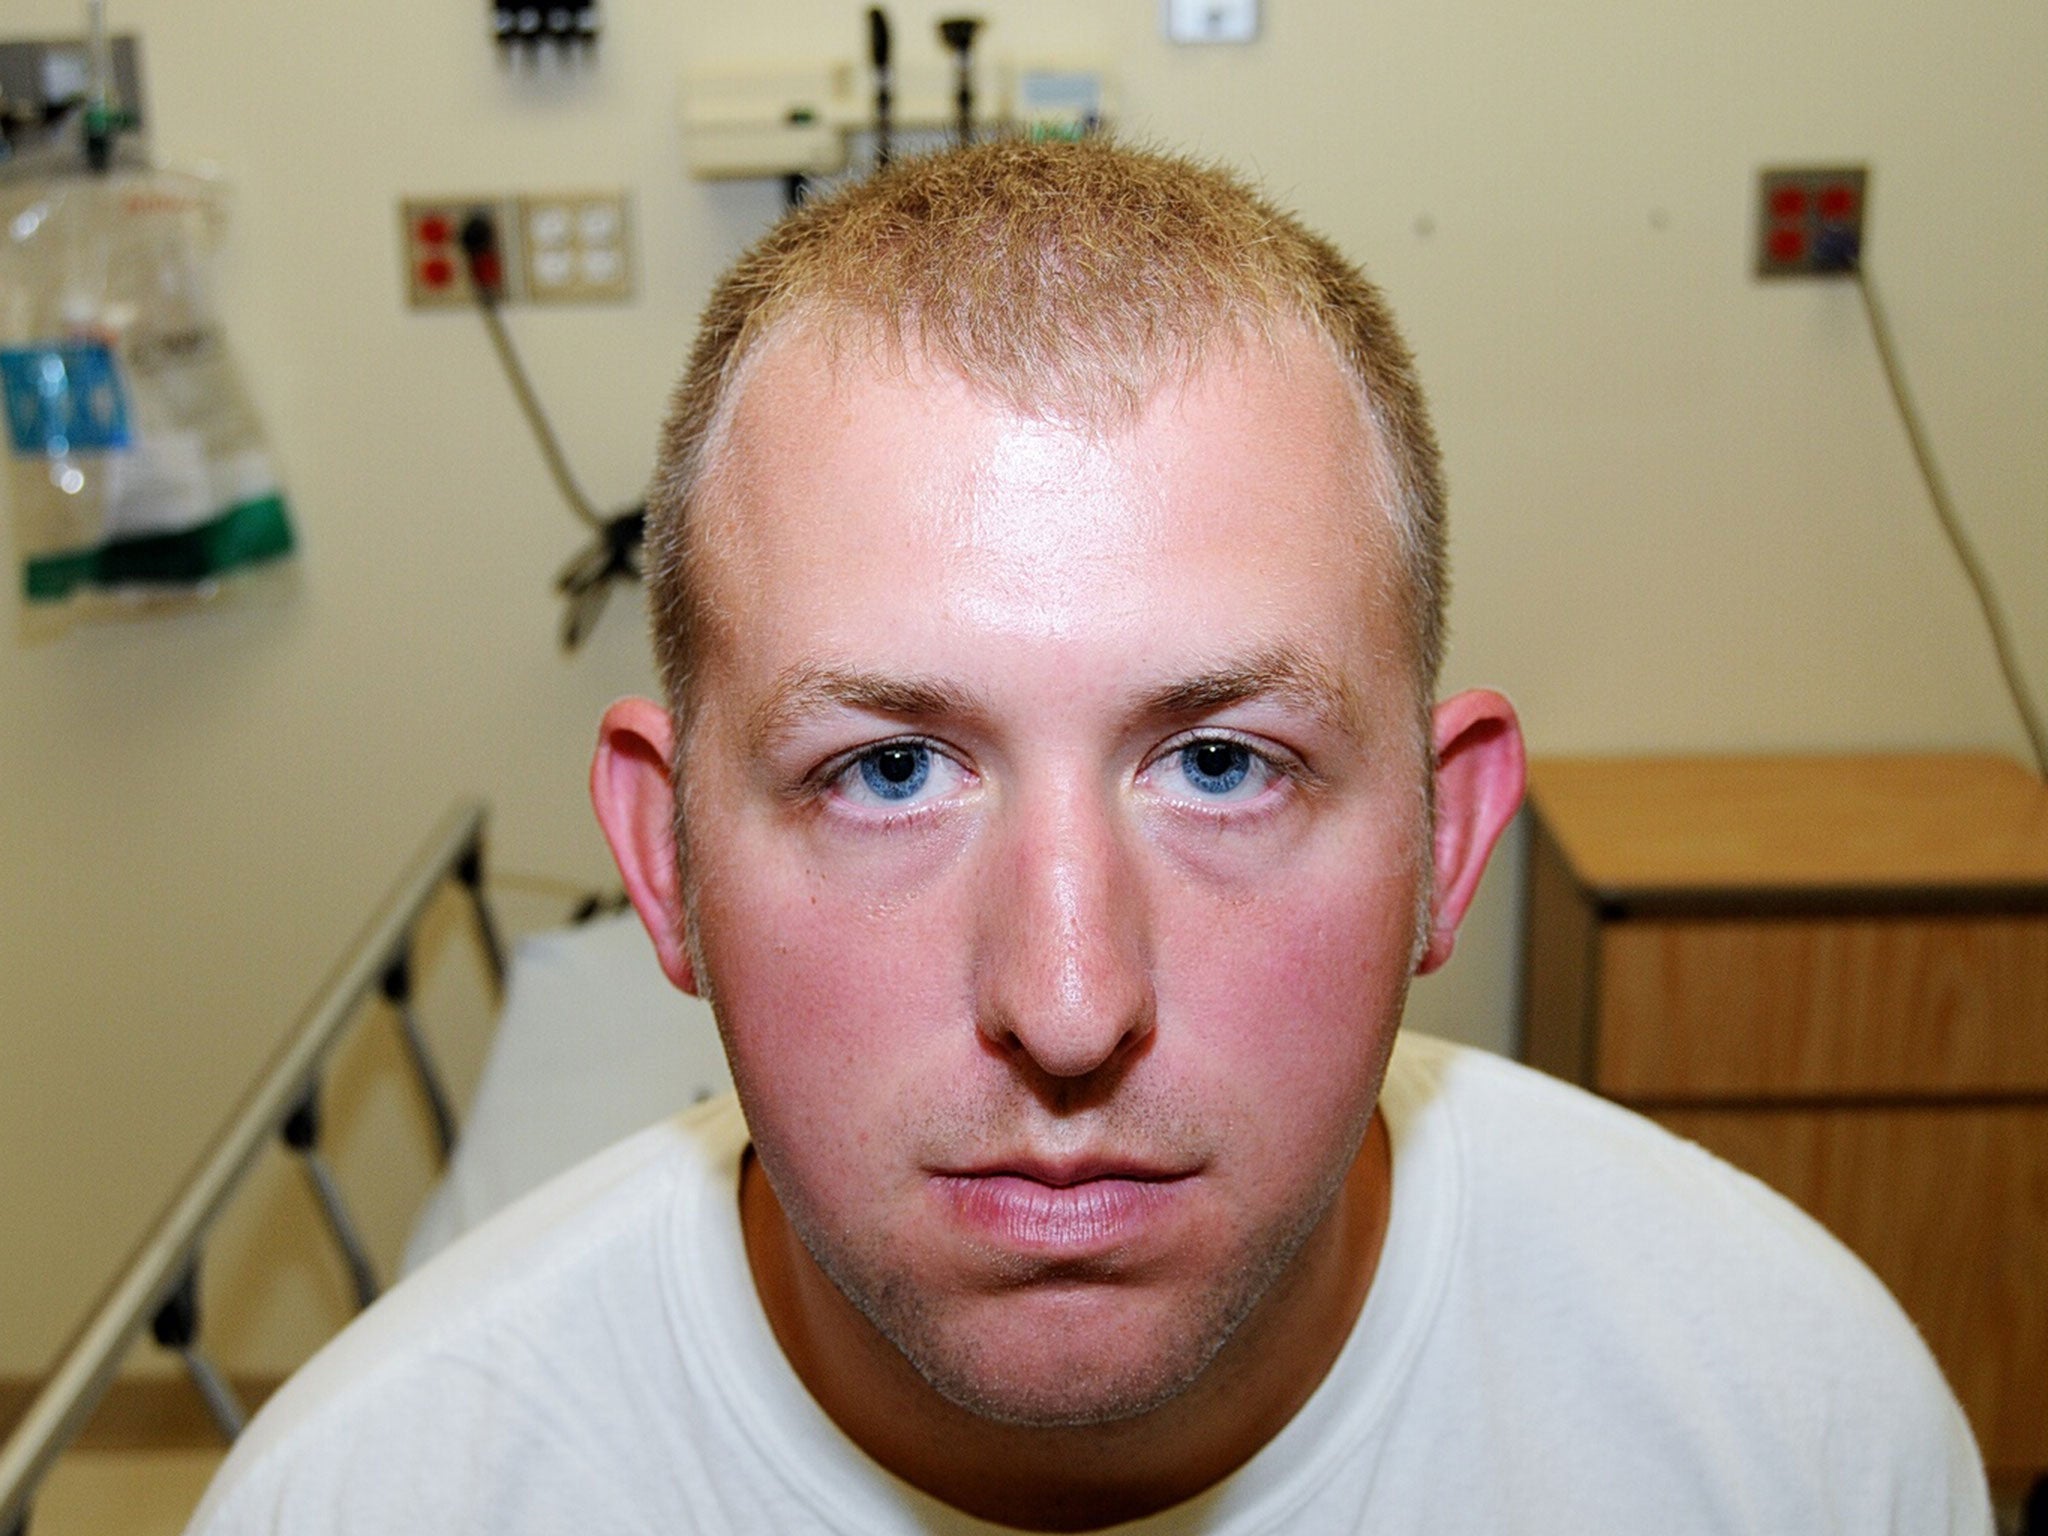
point(1801, 1007)
point(1950, 1208)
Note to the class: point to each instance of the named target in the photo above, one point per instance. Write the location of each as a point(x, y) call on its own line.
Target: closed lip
point(1064, 1173)
point(1063, 1208)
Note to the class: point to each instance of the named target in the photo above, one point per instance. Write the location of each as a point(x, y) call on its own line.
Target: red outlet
point(1810, 220)
point(1788, 245)
point(437, 269)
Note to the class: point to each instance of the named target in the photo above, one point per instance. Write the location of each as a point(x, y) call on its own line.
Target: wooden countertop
point(1948, 824)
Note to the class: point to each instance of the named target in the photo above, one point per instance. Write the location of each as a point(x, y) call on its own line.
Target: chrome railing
point(157, 1287)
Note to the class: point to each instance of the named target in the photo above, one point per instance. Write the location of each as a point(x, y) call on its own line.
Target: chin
point(1065, 1356)
point(1075, 1388)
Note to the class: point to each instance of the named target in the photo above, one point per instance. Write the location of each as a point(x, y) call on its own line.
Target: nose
point(1064, 981)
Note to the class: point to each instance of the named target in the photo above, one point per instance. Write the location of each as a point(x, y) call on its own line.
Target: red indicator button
point(1788, 245)
point(1788, 203)
point(1838, 202)
point(437, 272)
point(434, 230)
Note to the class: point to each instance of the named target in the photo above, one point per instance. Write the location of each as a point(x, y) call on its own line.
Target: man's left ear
point(1479, 769)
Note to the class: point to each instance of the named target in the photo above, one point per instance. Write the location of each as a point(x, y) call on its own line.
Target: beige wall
point(1686, 519)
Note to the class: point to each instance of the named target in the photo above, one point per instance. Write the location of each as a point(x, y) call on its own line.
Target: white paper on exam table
point(593, 1043)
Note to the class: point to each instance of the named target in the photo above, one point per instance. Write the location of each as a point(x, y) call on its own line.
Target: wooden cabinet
point(1834, 973)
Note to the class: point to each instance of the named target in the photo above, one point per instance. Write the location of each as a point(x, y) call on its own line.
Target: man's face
point(1056, 830)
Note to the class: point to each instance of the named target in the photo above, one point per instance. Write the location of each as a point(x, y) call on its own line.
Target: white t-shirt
point(1579, 1324)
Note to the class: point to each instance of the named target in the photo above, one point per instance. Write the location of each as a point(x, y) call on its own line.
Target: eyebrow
point(1285, 672)
point(813, 688)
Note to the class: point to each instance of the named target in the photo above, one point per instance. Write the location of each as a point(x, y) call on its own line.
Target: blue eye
point(1215, 767)
point(891, 779)
point(896, 771)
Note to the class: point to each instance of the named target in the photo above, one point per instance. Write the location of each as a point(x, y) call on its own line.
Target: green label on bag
point(248, 534)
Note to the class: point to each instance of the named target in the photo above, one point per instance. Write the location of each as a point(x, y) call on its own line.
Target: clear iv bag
point(136, 468)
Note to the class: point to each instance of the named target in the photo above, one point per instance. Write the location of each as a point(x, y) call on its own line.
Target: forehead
point(852, 486)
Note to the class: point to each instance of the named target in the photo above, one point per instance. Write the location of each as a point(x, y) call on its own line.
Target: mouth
point(1064, 1210)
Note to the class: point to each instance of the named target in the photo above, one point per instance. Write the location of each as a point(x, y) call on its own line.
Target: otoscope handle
point(957, 33)
point(878, 54)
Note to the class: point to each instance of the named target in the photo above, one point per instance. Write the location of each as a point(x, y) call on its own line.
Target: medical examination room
point(337, 343)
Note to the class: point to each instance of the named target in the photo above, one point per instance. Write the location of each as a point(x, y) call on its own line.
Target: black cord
point(588, 902)
point(1944, 511)
point(586, 581)
point(614, 555)
point(480, 247)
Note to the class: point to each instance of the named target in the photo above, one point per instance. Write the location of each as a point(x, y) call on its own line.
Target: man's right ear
point(634, 793)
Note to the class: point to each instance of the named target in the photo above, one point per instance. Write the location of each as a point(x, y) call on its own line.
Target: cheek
point(1293, 990)
point(855, 997)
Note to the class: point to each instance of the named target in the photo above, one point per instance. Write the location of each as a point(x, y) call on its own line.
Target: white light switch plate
point(1211, 21)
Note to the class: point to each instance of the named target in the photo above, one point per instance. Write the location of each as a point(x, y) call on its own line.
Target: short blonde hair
point(1065, 280)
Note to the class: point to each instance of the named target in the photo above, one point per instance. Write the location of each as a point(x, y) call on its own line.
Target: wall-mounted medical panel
point(758, 120)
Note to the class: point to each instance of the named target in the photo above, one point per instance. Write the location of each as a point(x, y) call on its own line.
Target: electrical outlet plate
point(576, 246)
point(1809, 220)
point(430, 239)
point(553, 248)
point(1211, 21)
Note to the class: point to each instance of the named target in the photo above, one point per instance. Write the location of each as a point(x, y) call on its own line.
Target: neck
point(1077, 1478)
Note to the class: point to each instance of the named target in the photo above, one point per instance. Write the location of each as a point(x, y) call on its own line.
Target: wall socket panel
point(430, 241)
point(1209, 21)
point(552, 248)
point(1809, 220)
point(576, 248)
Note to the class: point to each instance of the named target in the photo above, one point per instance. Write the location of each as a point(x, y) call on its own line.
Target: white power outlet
point(576, 247)
point(1211, 21)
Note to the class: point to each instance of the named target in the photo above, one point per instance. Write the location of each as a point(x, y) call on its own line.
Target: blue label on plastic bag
point(63, 397)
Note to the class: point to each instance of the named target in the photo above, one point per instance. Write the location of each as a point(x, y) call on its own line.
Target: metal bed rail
point(158, 1286)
